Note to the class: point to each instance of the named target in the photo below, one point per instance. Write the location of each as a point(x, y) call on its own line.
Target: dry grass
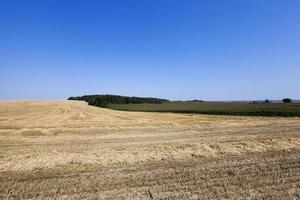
point(66, 149)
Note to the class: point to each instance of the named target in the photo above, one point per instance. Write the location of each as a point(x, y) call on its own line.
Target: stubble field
point(69, 150)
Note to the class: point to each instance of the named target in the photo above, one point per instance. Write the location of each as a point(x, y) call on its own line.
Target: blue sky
point(210, 50)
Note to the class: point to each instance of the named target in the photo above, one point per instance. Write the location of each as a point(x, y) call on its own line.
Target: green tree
point(287, 100)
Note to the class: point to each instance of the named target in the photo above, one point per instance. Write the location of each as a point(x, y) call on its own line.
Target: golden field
point(69, 150)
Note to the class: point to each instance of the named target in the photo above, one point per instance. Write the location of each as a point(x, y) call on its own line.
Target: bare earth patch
point(69, 150)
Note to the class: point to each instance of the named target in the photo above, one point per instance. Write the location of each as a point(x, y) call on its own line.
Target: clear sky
point(210, 50)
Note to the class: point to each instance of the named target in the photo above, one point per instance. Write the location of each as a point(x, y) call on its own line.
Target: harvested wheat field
point(69, 150)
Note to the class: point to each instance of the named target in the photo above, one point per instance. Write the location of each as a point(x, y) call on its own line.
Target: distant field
point(245, 109)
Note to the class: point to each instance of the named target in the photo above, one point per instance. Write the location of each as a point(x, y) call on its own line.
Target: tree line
point(104, 100)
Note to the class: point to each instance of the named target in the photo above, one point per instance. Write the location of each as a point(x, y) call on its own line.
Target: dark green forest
point(104, 100)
